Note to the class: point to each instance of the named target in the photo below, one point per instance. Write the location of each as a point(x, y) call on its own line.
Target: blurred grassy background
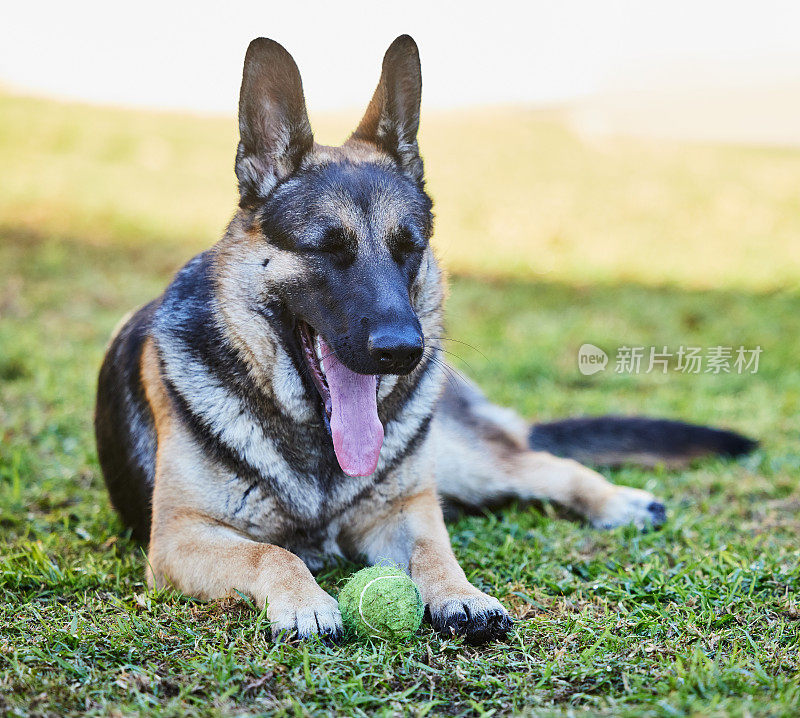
point(553, 241)
point(517, 194)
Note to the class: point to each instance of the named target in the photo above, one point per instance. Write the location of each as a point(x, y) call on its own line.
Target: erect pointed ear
point(392, 117)
point(274, 131)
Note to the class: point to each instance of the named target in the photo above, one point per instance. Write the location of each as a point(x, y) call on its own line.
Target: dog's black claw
point(472, 619)
point(329, 635)
point(658, 513)
point(328, 638)
point(332, 638)
point(493, 626)
point(455, 624)
point(286, 636)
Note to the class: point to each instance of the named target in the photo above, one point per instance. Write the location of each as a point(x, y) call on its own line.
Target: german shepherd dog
point(283, 403)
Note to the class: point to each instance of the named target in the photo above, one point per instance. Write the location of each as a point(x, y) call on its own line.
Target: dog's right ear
point(274, 131)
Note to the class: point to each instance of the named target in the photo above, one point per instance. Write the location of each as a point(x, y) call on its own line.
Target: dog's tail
point(617, 440)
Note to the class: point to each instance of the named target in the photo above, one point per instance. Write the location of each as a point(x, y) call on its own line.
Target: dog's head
point(345, 233)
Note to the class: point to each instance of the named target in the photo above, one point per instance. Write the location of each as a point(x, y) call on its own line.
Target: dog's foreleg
point(209, 560)
point(199, 553)
point(412, 533)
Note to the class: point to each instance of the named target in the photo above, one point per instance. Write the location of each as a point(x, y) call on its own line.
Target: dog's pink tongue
point(357, 431)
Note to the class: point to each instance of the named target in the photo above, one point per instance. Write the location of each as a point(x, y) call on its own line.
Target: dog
point(285, 401)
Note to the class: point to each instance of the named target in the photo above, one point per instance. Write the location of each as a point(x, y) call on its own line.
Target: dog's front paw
point(477, 617)
point(630, 506)
point(302, 617)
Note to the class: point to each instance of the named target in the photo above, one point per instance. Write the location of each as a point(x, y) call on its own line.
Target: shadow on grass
point(33, 255)
point(517, 338)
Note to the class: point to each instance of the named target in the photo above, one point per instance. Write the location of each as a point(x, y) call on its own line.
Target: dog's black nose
point(395, 349)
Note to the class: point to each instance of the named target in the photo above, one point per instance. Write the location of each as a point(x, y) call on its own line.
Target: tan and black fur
point(215, 442)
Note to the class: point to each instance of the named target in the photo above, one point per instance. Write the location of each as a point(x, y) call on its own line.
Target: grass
point(98, 207)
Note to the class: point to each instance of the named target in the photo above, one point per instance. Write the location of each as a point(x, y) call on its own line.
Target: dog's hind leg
point(483, 459)
point(530, 476)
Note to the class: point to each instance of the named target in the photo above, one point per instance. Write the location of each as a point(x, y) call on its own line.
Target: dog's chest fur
point(276, 477)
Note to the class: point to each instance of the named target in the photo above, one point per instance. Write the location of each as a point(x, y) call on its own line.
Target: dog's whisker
point(451, 368)
point(466, 344)
point(452, 354)
point(447, 371)
point(451, 373)
point(445, 351)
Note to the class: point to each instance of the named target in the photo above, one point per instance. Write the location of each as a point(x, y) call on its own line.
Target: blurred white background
point(702, 69)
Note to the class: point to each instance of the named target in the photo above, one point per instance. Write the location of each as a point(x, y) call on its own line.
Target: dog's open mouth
point(351, 403)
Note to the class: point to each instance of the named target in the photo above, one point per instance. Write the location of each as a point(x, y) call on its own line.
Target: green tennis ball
point(381, 601)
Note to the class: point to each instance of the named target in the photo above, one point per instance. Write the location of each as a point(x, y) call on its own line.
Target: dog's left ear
point(392, 118)
point(274, 131)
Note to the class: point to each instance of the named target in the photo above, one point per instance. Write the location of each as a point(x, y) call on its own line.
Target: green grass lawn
point(97, 209)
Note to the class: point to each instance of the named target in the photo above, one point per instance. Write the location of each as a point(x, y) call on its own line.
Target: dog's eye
point(337, 241)
point(405, 242)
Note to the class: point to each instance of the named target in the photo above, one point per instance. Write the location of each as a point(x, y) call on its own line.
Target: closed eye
point(336, 241)
point(406, 242)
